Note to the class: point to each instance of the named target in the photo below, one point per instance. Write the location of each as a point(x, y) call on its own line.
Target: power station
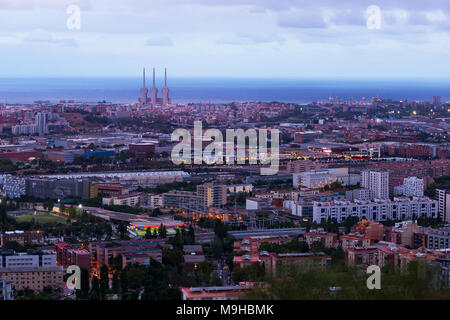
point(154, 100)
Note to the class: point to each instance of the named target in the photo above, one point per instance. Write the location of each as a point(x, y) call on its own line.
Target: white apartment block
point(378, 210)
point(443, 198)
point(412, 187)
point(131, 200)
point(21, 260)
point(377, 182)
point(321, 178)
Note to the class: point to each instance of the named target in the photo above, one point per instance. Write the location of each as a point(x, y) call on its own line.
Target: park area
point(41, 218)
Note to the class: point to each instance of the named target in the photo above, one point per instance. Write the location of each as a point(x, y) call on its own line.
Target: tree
point(84, 283)
point(162, 231)
point(317, 246)
point(217, 247)
point(122, 229)
point(191, 235)
point(123, 281)
point(115, 283)
point(148, 233)
point(95, 291)
point(104, 280)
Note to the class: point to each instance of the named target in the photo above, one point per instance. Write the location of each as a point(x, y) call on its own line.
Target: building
point(60, 157)
point(41, 124)
point(140, 251)
point(358, 194)
point(141, 150)
point(378, 210)
point(321, 178)
point(131, 200)
point(34, 270)
point(112, 190)
point(68, 254)
point(412, 187)
point(54, 188)
point(328, 239)
point(354, 240)
point(361, 256)
point(443, 198)
point(22, 155)
point(6, 290)
point(22, 237)
point(377, 182)
point(213, 195)
point(257, 203)
point(215, 293)
point(279, 264)
point(371, 229)
point(182, 200)
point(436, 101)
point(10, 259)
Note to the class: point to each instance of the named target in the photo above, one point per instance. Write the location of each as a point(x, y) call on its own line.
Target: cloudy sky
point(226, 38)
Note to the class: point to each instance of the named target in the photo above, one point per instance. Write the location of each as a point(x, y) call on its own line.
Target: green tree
point(104, 280)
point(115, 283)
point(95, 290)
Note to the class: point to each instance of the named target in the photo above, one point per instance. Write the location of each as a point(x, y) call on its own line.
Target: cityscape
point(159, 199)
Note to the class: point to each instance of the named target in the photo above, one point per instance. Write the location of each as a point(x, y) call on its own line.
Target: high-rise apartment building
point(377, 182)
point(443, 198)
point(41, 124)
point(213, 195)
point(411, 187)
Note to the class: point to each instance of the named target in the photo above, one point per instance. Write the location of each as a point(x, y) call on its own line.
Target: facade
point(54, 188)
point(141, 150)
point(378, 210)
point(328, 239)
point(34, 269)
point(443, 198)
point(278, 264)
point(22, 237)
point(131, 251)
point(6, 290)
point(355, 240)
point(412, 187)
point(358, 194)
point(67, 254)
point(33, 278)
point(215, 293)
point(41, 124)
point(131, 200)
point(182, 200)
point(377, 182)
point(213, 195)
point(320, 178)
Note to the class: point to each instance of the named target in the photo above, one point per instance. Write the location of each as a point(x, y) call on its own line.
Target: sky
point(226, 38)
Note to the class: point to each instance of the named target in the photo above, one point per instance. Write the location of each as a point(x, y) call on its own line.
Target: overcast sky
point(225, 38)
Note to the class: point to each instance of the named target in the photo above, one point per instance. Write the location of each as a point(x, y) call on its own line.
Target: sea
point(221, 90)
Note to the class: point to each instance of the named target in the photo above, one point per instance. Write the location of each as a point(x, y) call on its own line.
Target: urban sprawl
point(360, 183)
